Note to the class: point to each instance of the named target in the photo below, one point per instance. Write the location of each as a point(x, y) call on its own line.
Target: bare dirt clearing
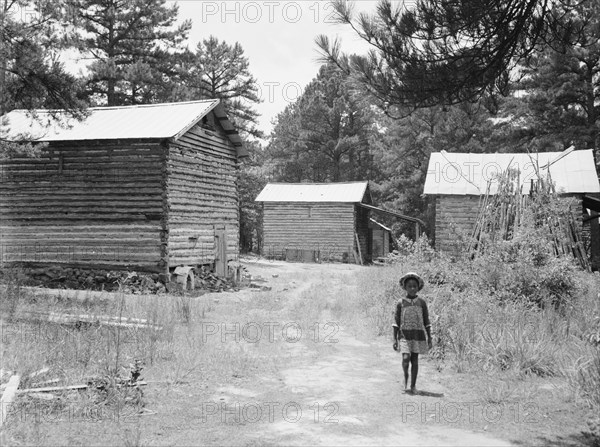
point(290, 366)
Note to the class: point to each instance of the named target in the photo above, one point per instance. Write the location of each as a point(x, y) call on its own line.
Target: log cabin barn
point(457, 181)
point(149, 188)
point(313, 222)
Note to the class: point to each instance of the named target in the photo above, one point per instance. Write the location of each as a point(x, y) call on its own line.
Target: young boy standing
point(412, 330)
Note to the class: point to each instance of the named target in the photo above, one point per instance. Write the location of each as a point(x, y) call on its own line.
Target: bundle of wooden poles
point(507, 210)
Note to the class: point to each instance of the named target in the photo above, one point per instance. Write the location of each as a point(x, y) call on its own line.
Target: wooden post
point(221, 251)
point(417, 231)
point(360, 258)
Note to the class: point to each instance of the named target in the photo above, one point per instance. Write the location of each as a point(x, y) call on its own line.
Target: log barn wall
point(86, 204)
point(328, 227)
point(202, 194)
point(454, 216)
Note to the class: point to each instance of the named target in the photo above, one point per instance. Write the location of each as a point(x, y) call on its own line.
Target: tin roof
point(313, 192)
point(468, 174)
point(152, 121)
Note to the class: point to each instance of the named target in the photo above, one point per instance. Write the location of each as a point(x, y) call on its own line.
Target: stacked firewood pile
point(508, 212)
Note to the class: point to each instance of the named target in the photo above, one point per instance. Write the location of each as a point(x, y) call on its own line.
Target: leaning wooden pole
point(360, 258)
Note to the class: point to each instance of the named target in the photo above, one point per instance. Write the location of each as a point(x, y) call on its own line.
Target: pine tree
point(324, 136)
point(133, 45)
point(563, 83)
point(222, 71)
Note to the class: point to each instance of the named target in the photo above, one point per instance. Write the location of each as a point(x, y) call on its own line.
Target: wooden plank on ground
point(8, 396)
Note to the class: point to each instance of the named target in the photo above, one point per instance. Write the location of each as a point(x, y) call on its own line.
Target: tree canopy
point(324, 135)
point(31, 72)
point(443, 52)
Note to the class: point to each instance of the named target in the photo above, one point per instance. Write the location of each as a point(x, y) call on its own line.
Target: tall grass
point(498, 314)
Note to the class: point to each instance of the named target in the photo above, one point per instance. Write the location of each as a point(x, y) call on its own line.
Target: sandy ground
point(330, 397)
point(331, 387)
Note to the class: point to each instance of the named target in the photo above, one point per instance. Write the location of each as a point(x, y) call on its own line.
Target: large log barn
point(145, 188)
point(458, 180)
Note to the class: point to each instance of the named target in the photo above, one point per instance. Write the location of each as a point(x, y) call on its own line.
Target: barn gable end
point(202, 193)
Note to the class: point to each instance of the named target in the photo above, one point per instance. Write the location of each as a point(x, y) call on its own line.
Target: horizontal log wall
point(85, 204)
point(327, 227)
point(455, 216)
point(202, 196)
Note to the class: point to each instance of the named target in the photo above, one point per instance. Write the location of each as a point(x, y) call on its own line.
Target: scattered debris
point(130, 282)
point(95, 279)
point(205, 279)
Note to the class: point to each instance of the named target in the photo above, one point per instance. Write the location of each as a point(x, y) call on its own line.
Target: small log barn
point(146, 188)
point(313, 221)
point(324, 222)
point(458, 180)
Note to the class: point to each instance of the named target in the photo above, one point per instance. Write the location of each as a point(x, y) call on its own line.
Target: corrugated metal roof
point(468, 174)
point(159, 121)
point(313, 192)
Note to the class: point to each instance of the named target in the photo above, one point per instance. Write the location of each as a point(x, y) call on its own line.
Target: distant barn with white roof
point(324, 221)
point(314, 221)
point(146, 187)
point(458, 180)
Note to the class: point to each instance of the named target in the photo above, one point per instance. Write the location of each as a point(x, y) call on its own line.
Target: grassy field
point(311, 362)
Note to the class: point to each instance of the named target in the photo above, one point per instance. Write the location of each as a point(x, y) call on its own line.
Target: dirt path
point(339, 390)
point(335, 386)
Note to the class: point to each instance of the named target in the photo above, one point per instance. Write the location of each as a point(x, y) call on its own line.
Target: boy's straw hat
point(412, 275)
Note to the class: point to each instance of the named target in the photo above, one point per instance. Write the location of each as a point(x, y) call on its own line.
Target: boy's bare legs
point(405, 362)
point(414, 370)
